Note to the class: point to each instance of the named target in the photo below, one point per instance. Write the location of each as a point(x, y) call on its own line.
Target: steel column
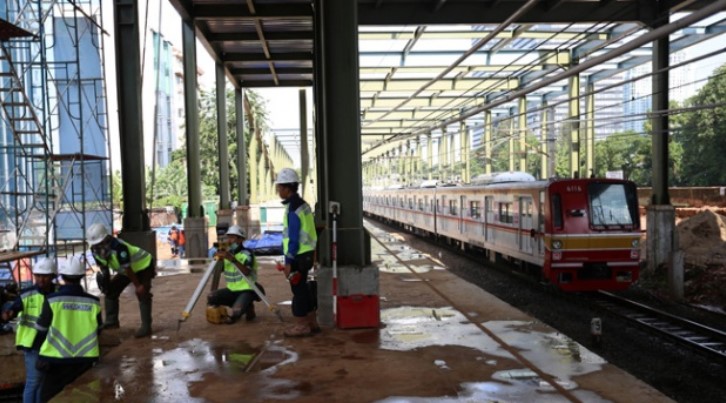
point(254, 166)
point(342, 131)
point(194, 178)
point(544, 140)
point(659, 119)
point(511, 140)
point(430, 152)
point(590, 129)
point(522, 131)
point(131, 133)
point(573, 118)
point(222, 138)
point(243, 196)
point(304, 158)
point(488, 127)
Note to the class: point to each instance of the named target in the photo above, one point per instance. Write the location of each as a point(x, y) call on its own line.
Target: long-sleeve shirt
point(293, 227)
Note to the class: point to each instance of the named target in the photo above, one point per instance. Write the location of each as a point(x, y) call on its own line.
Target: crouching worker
point(30, 335)
point(132, 264)
point(73, 320)
point(238, 294)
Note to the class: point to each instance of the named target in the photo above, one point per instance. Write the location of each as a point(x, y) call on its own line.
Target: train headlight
point(635, 243)
point(556, 244)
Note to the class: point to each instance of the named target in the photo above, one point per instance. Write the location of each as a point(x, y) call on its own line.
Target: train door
point(462, 208)
point(488, 219)
point(525, 224)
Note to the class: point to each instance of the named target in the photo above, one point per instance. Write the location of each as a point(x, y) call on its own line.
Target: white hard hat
point(74, 267)
point(97, 233)
point(287, 175)
point(44, 266)
point(236, 230)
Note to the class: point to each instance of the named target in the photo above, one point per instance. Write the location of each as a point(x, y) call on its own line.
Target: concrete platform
point(441, 340)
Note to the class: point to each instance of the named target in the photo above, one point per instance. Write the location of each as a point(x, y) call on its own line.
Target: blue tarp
point(269, 243)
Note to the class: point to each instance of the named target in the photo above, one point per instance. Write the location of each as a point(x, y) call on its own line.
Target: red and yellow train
point(583, 234)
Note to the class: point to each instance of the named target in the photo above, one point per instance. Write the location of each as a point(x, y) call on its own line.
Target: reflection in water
point(409, 328)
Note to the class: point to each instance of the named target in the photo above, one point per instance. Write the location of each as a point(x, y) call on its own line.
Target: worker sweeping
point(30, 335)
point(132, 265)
point(239, 294)
point(298, 244)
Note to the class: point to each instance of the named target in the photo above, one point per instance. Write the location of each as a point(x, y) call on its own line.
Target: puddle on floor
point(409, 328)
point(176, 374)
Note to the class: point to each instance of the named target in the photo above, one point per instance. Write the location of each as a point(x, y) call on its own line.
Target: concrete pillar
point(544, 141)
point(195, 224)
point(573, 118)
point(590, 129)
point(522, 133)
point(222, 138)
point(135, 226)
point(511, 139)
point(488, 141)
point(661, 237)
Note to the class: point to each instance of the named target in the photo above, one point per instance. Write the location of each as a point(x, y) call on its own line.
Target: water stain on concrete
point(409, 328)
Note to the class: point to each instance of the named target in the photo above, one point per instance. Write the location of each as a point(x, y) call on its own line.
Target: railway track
point(706, 340)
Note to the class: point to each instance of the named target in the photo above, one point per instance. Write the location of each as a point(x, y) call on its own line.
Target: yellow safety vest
point(73, 332)
point(308, 237)
point(140, 259)
point(232, 276)
point(28, 326)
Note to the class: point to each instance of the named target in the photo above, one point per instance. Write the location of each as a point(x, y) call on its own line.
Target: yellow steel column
point(522, 132)
point(590, 128)
point(488, 141)
point(574, 124)
point(544, 141)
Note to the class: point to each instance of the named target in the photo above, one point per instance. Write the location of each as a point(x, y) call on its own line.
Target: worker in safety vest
point(132, 264)
point(298, 244)
point(73, 319)
point(238, 294)
point(29, 335)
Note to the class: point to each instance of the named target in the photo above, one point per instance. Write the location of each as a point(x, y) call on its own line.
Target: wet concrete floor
point(428, 349)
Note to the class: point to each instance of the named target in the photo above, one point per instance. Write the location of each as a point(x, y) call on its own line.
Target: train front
point(592, 234)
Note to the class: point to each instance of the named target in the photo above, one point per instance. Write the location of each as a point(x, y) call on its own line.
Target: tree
point(170, 185)
point(702, 134)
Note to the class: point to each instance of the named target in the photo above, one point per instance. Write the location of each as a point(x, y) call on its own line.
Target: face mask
point(233, 246)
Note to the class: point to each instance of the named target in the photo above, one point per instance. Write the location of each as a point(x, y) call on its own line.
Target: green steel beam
point(573, 117)
point(194, 178)
point(222, 138)
point(522, 133)
point(590, 129)
point(488, 127)
point(243, 197)
point(660, 122)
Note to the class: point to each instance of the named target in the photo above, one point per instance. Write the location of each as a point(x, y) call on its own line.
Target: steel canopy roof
point(422, 62)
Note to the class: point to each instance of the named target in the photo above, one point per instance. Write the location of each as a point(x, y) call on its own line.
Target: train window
point(440, 208)
point(452, 207)
point(611, 205)
point(505, 213)
point(474, 209)
point(556, 211)
point(410, 203)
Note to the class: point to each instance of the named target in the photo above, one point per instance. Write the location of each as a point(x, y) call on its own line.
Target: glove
point(294, 278)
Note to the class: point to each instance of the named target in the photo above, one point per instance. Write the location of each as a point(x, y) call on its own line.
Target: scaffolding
point(55, 176)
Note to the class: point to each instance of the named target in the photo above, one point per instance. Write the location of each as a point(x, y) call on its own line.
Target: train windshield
point(613, 205)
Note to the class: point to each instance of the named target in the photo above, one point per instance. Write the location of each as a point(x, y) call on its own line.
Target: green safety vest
point(308, 236)
point(73, 332)
point(140, 259)
point(28, 326)
point(232, 276)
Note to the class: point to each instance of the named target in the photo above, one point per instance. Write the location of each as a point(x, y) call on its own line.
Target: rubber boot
point(300, 328)
point(111, 321)
point(145, 309)
point(313, 322)
point(250, 314)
